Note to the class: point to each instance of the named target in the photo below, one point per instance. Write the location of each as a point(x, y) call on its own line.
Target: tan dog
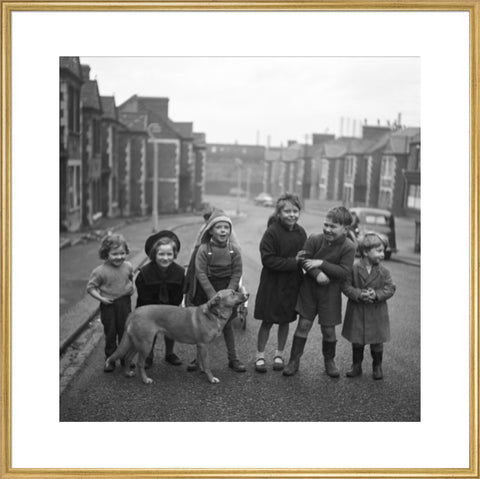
point(198, 325)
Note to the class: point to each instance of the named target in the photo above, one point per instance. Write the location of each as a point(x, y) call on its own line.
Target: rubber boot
point(298, 346)
point(357, 354)
point(377, 364)
point(328, 350)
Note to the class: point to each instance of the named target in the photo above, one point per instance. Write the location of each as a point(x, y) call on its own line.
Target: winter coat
point(158, 286)
point(281, 275)
point(326, 300)
point(367, 323)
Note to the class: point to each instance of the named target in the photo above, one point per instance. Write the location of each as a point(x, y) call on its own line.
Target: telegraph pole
point(238, 164)
point(152, 129)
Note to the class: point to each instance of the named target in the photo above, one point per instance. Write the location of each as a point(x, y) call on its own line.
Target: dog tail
point(122, 349)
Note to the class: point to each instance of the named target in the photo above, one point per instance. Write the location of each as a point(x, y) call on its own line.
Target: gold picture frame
point(472, 7)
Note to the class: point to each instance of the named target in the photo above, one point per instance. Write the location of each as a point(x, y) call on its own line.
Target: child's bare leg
point(263, 335)
point(329, 344)
point(282, 334)
point(303, 328)
point(328, 333)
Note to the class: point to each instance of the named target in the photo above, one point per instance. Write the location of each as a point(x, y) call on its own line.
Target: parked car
point(263, 199)
point(379, 221)
point(237, 192)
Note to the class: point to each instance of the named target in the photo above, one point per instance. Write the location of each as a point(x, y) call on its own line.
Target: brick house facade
point(91, 149)
point(110, 137)
point(392, 187)
point(132, 164)
point(169, 146)
point(70, 167)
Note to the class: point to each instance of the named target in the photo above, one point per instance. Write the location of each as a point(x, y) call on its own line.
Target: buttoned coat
point(326, 300)
point(367, 323)
point(157, 286)
point(281, 274)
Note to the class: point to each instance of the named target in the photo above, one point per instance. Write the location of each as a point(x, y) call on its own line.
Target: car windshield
point(376, 220)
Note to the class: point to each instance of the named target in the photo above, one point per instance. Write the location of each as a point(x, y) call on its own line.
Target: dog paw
point(129, 374)
point(214, 380)
point(148, 381)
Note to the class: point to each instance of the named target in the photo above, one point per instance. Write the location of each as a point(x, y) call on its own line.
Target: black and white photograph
point(240, 239)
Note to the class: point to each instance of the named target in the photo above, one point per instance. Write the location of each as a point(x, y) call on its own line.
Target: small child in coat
point(366, 319)
point(111, 283)
point(161, 281)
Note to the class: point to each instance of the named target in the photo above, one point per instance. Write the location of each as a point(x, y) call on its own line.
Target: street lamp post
point(249, 176)
point(154, 128)
point(238, 164)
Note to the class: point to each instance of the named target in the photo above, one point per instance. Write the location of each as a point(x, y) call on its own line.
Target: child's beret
point(151, 240)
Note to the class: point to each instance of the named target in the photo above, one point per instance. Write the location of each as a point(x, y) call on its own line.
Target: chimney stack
point(86, 72)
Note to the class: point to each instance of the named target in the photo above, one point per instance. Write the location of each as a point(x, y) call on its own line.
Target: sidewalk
point(79, 256)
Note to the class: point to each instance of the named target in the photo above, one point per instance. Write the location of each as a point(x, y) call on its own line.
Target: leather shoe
point(193, 366)
point(173, 359)
point(260, 366)
point(278, 363)
point(109, 368)
point(237, 366)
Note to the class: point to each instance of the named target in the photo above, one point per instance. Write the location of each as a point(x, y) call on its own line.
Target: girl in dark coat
point(280, 250)
point(366, 319)
point(161, 282)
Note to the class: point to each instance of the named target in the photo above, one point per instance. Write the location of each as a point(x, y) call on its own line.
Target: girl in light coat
point(366, 318)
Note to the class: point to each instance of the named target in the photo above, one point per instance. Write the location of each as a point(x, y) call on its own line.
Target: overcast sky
point(246, 99)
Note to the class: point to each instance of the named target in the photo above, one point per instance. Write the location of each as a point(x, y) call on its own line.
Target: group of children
point(301, 278)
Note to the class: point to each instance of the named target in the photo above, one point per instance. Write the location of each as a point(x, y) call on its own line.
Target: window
point(376, 220)
point(385, 199)
point(348, 195)
point(73, 187)
point(388, 167)
point(349, 168)
point(73, 110)
point(413, 199)
point(96, 136)
point(417, 158)
point(324, 172)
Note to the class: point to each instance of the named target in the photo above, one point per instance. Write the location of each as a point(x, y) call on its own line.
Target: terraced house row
point(107, 154)
point(380, 169)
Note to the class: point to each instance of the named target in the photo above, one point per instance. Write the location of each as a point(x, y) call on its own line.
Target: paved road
point(177, 395)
